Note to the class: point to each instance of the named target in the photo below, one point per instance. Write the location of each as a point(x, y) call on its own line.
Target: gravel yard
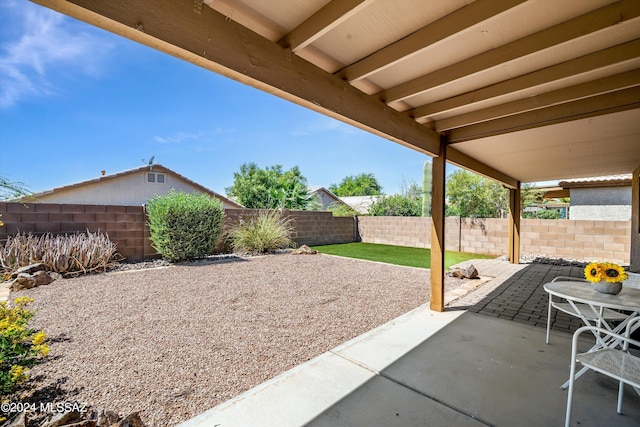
point(173, 342)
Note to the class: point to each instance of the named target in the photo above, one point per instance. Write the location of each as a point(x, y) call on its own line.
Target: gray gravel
point(172, 342)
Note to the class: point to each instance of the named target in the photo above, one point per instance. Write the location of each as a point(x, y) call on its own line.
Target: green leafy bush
point(265, 232)
point(67, 255)
point(20, 347)
point(396, 205)
point(341, 209)
point(184, 226)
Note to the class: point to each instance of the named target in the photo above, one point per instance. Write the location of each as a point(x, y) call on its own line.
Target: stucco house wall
point(603, 204)
point(129, 188)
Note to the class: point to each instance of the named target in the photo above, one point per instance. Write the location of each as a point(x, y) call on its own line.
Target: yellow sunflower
point(593, 272)
point(613, 273)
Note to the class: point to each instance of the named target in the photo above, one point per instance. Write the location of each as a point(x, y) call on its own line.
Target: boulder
point(131, 420)
point(304, 250)
point(24, 280)
point(28, 269)
point(468, 273)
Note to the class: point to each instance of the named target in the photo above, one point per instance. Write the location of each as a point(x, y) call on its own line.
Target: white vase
point(605, 287)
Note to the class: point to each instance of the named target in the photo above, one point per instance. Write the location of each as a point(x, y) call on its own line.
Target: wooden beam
point(514, 224)
point(460, 159)
point(622, 100)
point(579, 91)
point(321, 22)
point(449, 25)
point(585, 24)
point(437, 228)
point(216, 43)
point(593, 61)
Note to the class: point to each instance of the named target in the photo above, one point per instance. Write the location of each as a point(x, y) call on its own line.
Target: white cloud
point(323, 124)
point(181, 137)
point(38, 41)
point(178, 138)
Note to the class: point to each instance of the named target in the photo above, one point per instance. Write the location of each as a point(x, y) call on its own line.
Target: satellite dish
point(150, 162)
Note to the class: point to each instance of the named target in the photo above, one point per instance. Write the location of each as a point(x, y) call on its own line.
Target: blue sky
point(75, 100)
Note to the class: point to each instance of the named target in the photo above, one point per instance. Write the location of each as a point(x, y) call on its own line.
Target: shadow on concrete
point(482, 371)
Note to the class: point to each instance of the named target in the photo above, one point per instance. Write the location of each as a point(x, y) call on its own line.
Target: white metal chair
point(616, 363)
point(583, 309)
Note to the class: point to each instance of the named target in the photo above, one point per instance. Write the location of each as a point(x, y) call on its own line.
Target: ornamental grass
point(266, 232)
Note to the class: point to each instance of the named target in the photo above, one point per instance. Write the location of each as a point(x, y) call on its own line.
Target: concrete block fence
point(126, 226)
point(574, 239)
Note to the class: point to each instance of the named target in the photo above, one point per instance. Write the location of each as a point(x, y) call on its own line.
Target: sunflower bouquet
point(607, 271)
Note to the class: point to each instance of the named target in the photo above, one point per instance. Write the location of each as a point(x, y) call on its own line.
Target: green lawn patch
point(399, 255)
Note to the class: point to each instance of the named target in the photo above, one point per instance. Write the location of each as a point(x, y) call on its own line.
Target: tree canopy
point(269, 188)
point(11, 190)
point(364, 184)
point(473, 196)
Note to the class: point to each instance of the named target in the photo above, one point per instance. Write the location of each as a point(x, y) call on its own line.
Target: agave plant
point(67, 255)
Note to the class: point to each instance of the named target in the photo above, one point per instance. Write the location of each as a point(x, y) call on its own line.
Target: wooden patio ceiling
point(519, 91)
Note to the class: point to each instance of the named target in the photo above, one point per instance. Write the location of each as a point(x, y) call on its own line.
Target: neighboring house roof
point(325, 197)
point(597, 181)
point(147, 168)
point(314, 189)
point(360, 203)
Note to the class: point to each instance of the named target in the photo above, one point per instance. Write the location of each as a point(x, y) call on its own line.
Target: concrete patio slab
point(303, 393)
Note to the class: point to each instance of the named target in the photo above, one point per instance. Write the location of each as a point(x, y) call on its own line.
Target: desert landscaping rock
point(170, 343)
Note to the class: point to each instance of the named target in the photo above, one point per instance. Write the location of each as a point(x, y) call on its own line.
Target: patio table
point(627, 302)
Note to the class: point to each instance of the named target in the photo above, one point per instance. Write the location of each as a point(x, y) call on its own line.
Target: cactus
point(426, 189)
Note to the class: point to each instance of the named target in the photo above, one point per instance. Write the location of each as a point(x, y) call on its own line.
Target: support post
point(635, 221)
point(514, 224)
point(437, 228)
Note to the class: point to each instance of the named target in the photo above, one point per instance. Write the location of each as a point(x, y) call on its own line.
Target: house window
point(155, 177)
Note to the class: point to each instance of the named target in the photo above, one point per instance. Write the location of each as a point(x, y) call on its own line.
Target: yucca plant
point(265, 232)
point(67, 255)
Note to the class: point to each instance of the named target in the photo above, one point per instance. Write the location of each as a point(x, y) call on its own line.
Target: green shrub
point(20, 347)
point(67, 255)
point(396, 205)
point(265, 232)
point(184, 226)
point(341, 209)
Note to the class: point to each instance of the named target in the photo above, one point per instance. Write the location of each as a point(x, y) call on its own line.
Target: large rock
point(468, 273)
point(28, 269)
point(304, 250)
point(22, 281)
point(25, 280)
point(132, 420)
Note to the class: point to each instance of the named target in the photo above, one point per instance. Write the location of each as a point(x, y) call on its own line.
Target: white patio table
point(627, 301)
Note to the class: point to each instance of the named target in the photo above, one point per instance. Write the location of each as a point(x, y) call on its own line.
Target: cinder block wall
point(126, 225)
point(310, 227)
point(574, 239)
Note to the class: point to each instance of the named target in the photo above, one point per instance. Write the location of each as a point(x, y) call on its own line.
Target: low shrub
point(67, 255)
point(184, 226)
point(20, 346)
point(396, 205)
point(341, 209)
point(265, 232)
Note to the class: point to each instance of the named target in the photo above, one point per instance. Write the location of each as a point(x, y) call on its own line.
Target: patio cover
point(518, 91)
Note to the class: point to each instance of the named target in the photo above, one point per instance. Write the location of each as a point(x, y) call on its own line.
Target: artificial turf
point(399, 255)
